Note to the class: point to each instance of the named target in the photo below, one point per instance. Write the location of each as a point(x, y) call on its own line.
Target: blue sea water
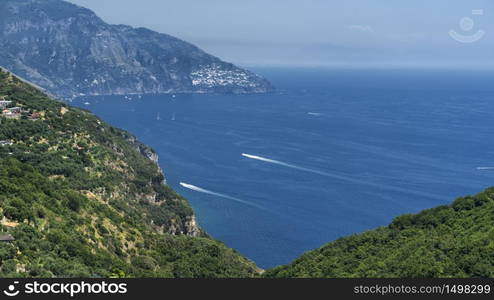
point(333, 153)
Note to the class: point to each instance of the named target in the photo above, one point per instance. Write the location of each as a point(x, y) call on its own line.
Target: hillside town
point(9, 110)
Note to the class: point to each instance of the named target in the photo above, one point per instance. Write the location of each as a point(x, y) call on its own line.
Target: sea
point(331, 153)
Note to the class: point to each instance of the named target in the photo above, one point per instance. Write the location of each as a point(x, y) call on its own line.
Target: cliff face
point(84, 199)
point(69, 51)
point(188, 226)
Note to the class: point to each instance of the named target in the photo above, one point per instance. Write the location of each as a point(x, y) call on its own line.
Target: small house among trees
point(6, 238)
point(4, 104)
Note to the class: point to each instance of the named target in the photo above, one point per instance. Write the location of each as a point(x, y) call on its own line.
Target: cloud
point(363, 28)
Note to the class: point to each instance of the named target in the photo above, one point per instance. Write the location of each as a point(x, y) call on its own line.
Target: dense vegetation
point(82, 198)
point(447, 241)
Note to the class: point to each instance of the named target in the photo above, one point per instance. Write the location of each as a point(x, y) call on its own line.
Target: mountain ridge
point(70, 51)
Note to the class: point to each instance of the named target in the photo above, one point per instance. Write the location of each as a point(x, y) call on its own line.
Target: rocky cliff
point(69, 51)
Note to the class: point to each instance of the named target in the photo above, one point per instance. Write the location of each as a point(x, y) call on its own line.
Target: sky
point(418, 33)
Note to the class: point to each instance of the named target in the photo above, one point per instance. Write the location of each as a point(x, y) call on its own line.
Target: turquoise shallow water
point(335, 152)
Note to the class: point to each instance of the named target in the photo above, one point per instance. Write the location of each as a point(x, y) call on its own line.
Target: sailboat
point(158, 117)
point(173, 117)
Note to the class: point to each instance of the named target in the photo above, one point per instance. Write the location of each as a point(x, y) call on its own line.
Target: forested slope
point(84, 199)
point(447, 241)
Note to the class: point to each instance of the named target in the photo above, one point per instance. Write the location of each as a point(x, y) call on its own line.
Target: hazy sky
point(319, 32)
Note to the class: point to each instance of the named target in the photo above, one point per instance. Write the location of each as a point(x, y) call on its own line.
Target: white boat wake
point(343, 177)
point(277, 162)
point(201, 190)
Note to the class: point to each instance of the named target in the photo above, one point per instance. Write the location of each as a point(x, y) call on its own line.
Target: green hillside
point(84, 199)
point(447, 241)
point(80, 198)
